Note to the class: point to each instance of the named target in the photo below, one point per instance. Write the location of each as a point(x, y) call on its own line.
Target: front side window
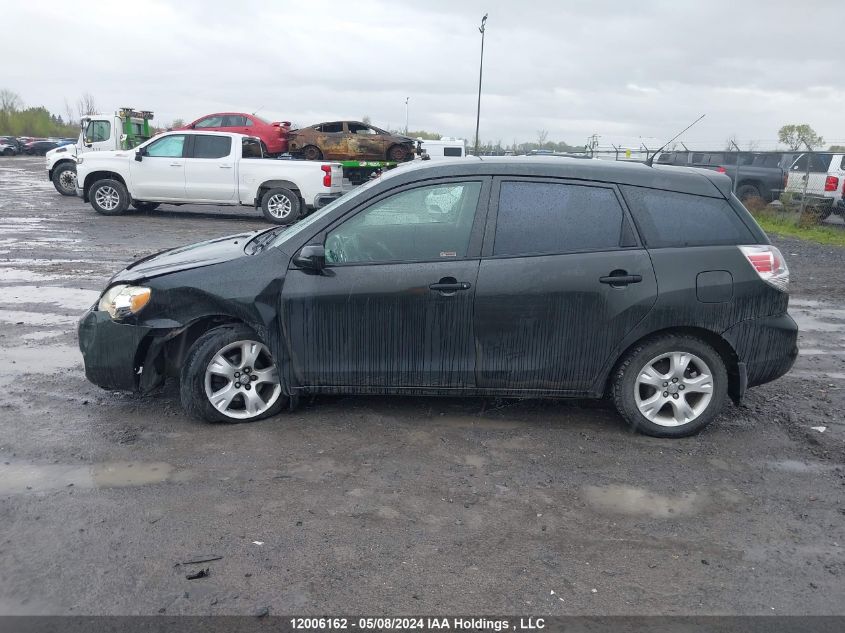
point(360, 128)
point(211, 146)
point(98, 131)
point(668, 218)
point(424, 224)
point(167, 147)
point(210, 121)
point(539, 218)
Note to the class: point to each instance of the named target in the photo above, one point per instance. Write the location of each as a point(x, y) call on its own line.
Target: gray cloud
point(627, 71)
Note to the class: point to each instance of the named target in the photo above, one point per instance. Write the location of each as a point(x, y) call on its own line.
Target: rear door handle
point(621, 280)
point(175, 164)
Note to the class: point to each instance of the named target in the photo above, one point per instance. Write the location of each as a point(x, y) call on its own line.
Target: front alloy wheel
point(230, 376)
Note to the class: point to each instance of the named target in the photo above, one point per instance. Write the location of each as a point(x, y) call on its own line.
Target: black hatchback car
point(505, 277)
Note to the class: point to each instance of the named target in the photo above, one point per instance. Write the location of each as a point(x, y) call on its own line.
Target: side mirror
point(139, 154)
point(312, 257)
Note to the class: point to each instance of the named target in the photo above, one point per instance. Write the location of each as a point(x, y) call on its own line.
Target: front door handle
point(620, 278)
point(450, 285)
point(225, 166)
point(175, 164)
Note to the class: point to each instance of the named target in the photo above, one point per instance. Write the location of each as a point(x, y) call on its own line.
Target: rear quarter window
point(667, 219)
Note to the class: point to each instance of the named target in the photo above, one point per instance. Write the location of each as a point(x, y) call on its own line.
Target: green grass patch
point(786, 223)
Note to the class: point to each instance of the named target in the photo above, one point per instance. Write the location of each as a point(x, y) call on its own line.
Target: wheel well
point(93, 177)
point(175, 350)
point(59, 164)
point(753, 183)
point(722, 347)
point(272, 184)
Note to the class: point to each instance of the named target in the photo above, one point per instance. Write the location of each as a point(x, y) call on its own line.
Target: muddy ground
point(388, 506)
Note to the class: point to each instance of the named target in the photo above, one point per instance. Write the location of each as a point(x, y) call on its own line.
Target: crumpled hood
point(196, 255)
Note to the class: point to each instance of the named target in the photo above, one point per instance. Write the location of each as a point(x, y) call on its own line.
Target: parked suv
point(823, 182)
point(503, 277)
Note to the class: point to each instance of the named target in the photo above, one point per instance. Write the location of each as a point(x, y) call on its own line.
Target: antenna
point(257, 110)
point(650, 161)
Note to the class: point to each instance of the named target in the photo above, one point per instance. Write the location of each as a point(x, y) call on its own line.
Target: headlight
point(122, 301)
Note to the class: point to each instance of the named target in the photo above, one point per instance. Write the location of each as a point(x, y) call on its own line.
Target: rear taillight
point(831, 183)
point(721, 170)
point(327, 175)
point(785, 179)
point(769, 264)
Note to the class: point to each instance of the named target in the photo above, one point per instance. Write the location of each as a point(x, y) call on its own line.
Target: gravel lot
point(377, 505)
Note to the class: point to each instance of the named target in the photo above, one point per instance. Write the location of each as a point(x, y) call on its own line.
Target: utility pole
point(481, 30)
point(406, 114)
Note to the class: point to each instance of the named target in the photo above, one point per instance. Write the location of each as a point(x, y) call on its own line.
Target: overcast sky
point(629, 71)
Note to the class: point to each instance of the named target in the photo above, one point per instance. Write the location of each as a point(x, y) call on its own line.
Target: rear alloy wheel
point(747, 193)
point(109, 197)
point(312, 152)
point(280, 206)
point(673, 386)
point(230, 376)
point(64, 179)
point(139, 205)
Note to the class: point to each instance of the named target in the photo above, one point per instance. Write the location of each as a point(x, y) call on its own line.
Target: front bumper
point(112, 351)
point(768, 346)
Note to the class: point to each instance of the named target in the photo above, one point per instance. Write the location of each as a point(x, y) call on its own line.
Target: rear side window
point(668, 218)
point(819, 163)
point(539, 218)
point(453, 151)
point(211, 146)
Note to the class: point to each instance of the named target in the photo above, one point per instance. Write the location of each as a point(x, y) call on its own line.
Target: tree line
point(16, 119)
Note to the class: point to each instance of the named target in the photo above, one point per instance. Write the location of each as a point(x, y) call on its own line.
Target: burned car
point(540, 277)
point(351, 140)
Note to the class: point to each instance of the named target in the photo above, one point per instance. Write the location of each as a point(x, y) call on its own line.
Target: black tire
point(748, 192)
point(192, 388)
point(139, 205)
point(398, 153)
point(122, 201)
point(8, 152)
point(64, 179)
point(312, 152)
point(625, 389)
point(274, 203)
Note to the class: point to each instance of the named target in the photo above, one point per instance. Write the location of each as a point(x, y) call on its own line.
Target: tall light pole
point(406, 114)
point(481, 30)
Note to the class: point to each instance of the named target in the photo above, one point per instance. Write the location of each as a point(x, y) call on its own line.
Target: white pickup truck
point(219, 168)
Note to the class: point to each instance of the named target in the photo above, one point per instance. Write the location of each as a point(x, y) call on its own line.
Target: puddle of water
point(812, 351)
point(617, 499)
point(74, 298)
point(814, 322)
point(816, 373)
point(17, 274)
point(40, 336)
point(37, 360)
point(23, 478)
point(36, 318)
point(795, 466)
